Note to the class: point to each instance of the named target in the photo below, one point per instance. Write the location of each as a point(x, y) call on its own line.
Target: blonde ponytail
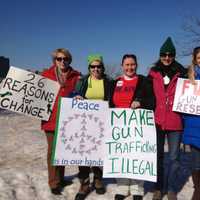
point(191, 74)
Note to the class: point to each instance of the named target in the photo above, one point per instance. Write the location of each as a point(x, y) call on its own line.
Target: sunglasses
point(60, 59)
point(95, 66)
point(170, 55)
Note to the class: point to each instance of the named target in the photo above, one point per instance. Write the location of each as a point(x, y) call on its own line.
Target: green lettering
point(139, 132)
point(118, 147)
point(114, 114)
point(141, 169)
point(149, 115)
point(123, 163)
point(113, 166)
point(142, 117)
point(148, 168)
point(127, 133)
point(109, 146)
point(133, 118)
point(116, 133)
point(125, 149)
point(134, 165)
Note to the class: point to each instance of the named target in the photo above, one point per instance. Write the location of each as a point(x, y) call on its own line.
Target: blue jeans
point(195, 158)
point(174, 140)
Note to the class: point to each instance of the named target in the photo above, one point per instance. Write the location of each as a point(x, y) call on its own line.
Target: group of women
point(130, 90)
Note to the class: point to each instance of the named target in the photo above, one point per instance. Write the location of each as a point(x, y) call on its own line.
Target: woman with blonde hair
point(191, 133)
point(67, 77)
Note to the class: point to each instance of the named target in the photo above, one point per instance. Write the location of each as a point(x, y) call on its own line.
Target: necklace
point(166, 80)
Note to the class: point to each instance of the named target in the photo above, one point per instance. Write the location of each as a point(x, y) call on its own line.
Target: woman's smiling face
point(129, 66)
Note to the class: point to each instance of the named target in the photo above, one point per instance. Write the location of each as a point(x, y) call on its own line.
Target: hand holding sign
point(28, 93)
point(80, 131)
point(187, 97)
point(130, 150)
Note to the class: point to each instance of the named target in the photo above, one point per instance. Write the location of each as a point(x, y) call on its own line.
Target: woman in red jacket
point(168, 123)
point(67, 77)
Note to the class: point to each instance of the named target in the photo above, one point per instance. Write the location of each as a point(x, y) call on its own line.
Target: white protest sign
point(28, 93)
point(80, 132)
point(187, 97)
point(130, 145)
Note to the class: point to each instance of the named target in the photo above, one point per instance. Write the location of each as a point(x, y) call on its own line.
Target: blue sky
point(31, 30)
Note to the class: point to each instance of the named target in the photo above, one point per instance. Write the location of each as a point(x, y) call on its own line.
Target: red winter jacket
point(72, 78)
point(165, 118)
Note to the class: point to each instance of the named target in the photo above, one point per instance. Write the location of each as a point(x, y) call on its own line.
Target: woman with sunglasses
point(95, 85)
point(164, 75)
point(131, 91)
point(67, 77)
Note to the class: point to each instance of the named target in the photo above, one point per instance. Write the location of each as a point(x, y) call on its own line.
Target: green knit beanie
point(94, 57)
point(168, 47)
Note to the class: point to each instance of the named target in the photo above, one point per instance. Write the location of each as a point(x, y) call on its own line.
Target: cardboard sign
point(130, 145)
point(187, 97)
point(80, 132)
point(28, 93)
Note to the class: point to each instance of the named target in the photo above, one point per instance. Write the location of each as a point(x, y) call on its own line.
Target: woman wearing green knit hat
point(164, 75)
point(95, 85)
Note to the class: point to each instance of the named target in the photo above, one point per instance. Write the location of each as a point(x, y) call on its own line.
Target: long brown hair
point(191, 72)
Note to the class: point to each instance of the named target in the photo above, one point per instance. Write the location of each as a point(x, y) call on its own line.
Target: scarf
point(62, 76)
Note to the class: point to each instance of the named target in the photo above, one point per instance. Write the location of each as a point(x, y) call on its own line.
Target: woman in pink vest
point(164, 75)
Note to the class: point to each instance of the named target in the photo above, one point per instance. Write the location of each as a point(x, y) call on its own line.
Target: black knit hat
point(168, 47)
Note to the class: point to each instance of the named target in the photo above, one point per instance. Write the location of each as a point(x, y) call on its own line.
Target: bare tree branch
point(191, 35)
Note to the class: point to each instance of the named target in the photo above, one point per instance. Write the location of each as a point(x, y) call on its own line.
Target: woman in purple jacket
point(164, 75)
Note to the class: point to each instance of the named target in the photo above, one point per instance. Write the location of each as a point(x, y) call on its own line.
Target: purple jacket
point(165, 118)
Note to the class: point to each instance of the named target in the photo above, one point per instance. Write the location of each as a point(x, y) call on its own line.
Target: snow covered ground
point(23, 168)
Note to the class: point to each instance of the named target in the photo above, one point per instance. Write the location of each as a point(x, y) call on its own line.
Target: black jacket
point(170, 70)
point(82, 86)
point(143, 93)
